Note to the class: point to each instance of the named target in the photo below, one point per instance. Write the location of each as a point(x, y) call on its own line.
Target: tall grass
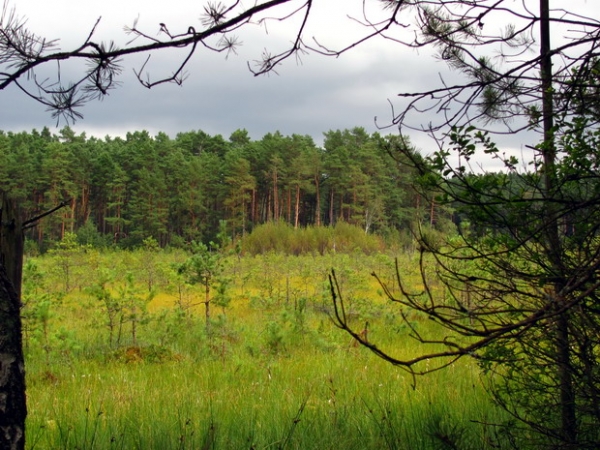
point(272, 372)
point(337, 400)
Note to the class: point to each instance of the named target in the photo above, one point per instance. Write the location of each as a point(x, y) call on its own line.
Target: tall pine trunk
point(297, 207)
point(562, 338)
point(318, 207)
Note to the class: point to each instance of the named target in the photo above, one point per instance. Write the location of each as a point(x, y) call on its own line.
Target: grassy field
point(268, 371)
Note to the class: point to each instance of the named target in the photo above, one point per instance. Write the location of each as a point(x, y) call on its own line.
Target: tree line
point(179, 189)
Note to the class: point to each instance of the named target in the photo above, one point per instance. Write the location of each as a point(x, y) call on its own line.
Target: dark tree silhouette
point(517, 287)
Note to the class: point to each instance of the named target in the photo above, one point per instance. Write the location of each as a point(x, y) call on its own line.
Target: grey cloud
point(221, 96)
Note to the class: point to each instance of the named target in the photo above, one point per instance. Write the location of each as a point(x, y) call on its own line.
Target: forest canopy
point(176, 190)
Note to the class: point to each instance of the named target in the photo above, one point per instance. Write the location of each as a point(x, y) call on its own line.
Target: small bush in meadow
point(281, 237)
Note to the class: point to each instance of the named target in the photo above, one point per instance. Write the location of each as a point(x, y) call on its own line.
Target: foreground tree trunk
point(563, 345)
point(13, 408)
point(11, 242)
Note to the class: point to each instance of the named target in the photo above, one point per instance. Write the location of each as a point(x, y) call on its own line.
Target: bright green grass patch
point(345, 399)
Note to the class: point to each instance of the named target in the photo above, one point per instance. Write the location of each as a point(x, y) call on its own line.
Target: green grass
point(347, 399)
point(273, 374)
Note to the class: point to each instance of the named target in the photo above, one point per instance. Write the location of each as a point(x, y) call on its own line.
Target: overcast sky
point(220, 94)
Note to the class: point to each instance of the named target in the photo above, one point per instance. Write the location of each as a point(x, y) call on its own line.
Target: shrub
point(281, 237)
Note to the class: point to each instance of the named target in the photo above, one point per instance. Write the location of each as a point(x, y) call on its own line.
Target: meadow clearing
point(120, 355)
